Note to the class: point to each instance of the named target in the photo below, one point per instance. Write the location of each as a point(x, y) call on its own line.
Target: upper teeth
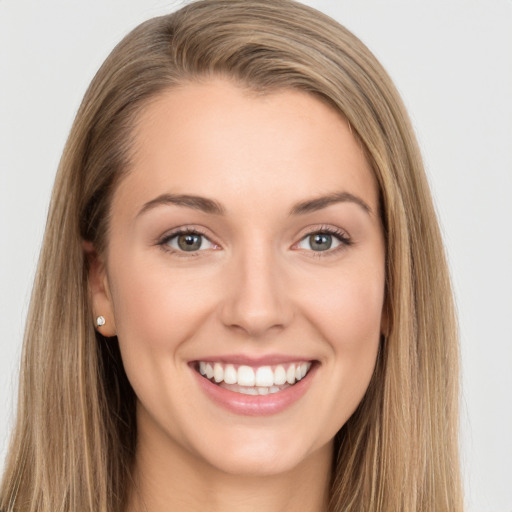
point(262, 376)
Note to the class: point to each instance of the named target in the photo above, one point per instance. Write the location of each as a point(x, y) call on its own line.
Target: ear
point(99, 291)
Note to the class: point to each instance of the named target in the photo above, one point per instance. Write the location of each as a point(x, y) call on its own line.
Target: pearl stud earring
point(100, 320)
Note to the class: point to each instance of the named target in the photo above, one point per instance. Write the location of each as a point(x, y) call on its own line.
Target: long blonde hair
point(73, 444)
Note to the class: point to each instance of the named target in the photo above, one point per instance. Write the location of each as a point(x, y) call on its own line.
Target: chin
point(259, 465)
point(260, 457)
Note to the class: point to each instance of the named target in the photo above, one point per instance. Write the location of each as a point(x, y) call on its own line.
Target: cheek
point(347, 312)
point(347, 307)
point(156, 309)
point(152, 301)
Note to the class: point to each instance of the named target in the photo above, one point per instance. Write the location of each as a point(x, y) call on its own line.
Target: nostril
point(255, 304)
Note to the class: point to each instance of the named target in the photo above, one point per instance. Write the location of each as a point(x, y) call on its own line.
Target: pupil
point(320, 242)
point(189, 242)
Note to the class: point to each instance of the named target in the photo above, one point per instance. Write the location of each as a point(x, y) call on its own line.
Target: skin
point(257, 288)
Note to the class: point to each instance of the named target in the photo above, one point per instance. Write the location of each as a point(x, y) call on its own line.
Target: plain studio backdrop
point(452, 62)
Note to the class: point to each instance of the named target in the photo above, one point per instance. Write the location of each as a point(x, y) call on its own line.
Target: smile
point(262, 380)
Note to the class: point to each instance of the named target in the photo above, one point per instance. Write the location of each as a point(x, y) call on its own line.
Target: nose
point(256, 300)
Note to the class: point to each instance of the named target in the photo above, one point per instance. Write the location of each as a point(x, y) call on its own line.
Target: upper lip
point(242, 359)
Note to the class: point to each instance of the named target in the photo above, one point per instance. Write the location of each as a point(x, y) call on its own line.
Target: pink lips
point(250, 405)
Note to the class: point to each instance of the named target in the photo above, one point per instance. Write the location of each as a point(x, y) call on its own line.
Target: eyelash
point(341, 236)
point(163, 243)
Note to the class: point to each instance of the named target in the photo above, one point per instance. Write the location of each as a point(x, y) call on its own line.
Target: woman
point(240, 209)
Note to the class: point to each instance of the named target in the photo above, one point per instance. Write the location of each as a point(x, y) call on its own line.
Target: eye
point(325, 240)
point(188, 241)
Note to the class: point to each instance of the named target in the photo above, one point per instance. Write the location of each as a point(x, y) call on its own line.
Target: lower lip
point(259, 405)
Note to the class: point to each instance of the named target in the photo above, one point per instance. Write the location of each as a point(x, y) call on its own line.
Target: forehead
point(219, 140)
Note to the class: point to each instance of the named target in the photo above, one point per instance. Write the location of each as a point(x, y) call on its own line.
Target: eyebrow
point(195, 202)
point(213, 207)
point(313, 205)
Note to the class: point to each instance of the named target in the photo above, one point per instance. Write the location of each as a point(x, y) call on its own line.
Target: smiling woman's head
point(264, 141)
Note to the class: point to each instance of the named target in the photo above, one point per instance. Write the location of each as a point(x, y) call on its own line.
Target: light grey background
point(452, 62)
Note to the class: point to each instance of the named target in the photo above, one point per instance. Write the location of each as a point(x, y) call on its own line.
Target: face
point(244, 276)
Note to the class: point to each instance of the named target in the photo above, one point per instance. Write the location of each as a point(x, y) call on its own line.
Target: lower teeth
point(253, 390)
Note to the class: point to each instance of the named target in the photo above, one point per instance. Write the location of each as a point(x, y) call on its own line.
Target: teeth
point(264, 376)
point(250, 390)
point(290, 374)
point(218, 372)
point(246, 376)
point(279, 376)
point(261, 380)
point(230, 375)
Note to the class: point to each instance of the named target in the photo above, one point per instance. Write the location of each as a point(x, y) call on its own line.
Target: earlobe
point(99, 292)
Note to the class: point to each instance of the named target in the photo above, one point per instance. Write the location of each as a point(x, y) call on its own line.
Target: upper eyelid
point(323, 228)
point(183, 230)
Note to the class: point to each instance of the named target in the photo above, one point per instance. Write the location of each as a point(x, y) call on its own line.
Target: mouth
point(253, 380)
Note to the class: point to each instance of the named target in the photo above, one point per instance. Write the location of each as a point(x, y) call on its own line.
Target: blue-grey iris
point(320, 242)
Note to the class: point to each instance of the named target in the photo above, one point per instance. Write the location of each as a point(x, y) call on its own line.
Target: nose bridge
point(256, 300)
